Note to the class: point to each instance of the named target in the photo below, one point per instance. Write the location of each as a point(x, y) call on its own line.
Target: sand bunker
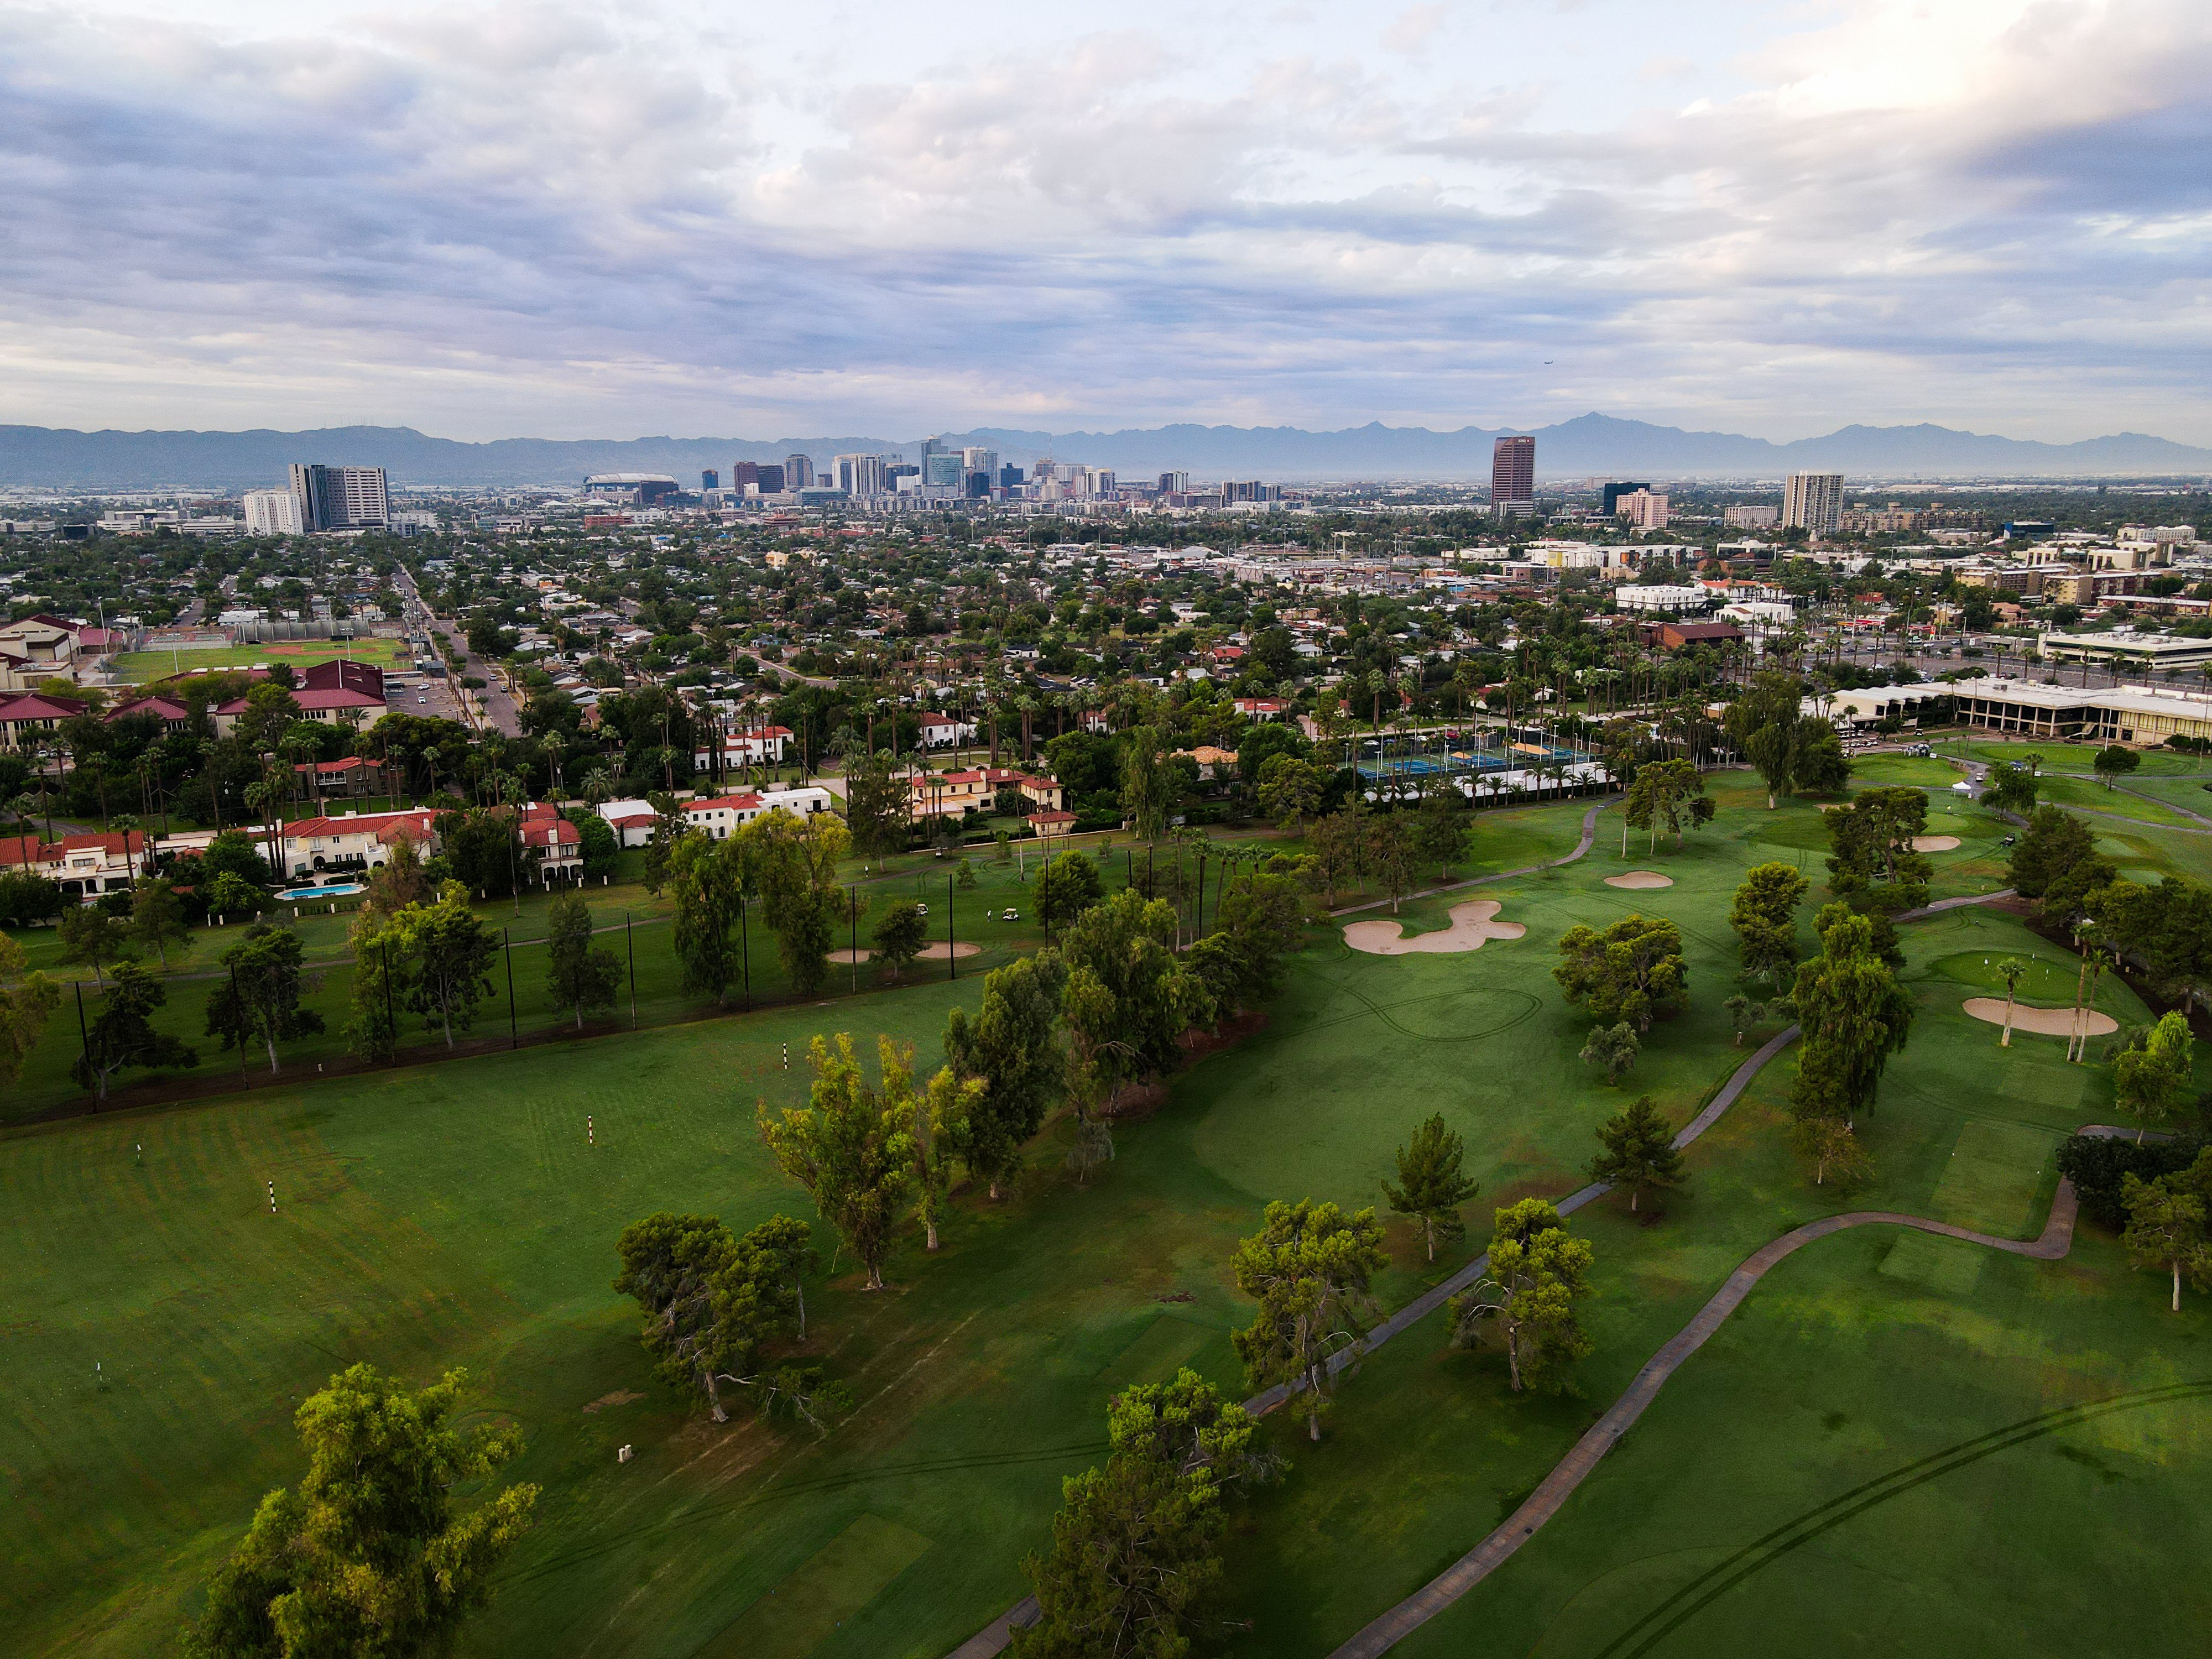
point(1934, 843)
point(848, 956)
point(1640, 879)
point(937, 950)
point(2044, 1022)
point(1471, 925)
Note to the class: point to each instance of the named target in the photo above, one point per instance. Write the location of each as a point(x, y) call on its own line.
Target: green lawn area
point(142, 667)
point(434, 1215)
point(2090, 794)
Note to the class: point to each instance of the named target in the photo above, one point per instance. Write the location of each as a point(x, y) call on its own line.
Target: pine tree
point(1639, 1152)
point(1432, 1186)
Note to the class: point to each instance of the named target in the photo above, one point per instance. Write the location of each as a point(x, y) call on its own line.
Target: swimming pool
point(332, 890)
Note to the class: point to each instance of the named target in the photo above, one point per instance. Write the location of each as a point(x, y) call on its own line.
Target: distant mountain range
point(1587, 445)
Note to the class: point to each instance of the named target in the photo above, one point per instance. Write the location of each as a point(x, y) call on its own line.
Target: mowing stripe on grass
point(820, 1593)
point(1155, 1354)
point(1718, 1581)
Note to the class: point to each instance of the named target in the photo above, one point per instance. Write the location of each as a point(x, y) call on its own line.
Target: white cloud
point(495, 219)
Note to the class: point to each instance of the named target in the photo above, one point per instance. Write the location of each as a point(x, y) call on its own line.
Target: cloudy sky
point(565, 221)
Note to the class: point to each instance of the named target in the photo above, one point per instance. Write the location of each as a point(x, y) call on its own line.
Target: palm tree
point(267, 797)
point(2010, 970)
point(556, 746)
point(598, 787)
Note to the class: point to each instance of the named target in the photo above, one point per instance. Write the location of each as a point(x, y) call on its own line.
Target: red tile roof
point(167, 708)
point(23, 849)
point(32, 707)
point(382, 826)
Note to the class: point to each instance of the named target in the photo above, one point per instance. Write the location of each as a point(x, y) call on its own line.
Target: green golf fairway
point(162, 1324)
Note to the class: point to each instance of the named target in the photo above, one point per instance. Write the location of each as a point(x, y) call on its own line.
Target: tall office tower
point(709, 479)
point(861, 476)
point(340, 497)
point(1174, 483)
point(1010, 477)
point(1813, 502)
point(979, 468)
point(1645, 510)
point(936, 446)
point(1609, 497)
point(941, 469)
point(272, 513)
point(1512, 470)
point(798, 472)
point(769, 479)
point(743, 473)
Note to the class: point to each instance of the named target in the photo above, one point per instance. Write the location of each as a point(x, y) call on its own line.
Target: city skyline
point(574, 223)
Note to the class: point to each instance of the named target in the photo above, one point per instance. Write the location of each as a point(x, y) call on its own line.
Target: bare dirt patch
point(1934, 843)
point(619, 1397)
point(1637, 880)
point(2043, 1022)
point(1472, 926)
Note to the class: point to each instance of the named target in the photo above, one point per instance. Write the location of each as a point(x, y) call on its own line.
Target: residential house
point(720, 816)
point(632, 820)
point(85, 866)
point(1262, 709)
point(553, 845)
point(350, 777)
point(938, 794)
point(945, 730)
point(356, 843)
point(755, 745)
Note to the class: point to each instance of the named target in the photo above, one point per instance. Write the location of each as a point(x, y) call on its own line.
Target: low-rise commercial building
point(2147, 651)
point(2138, 715)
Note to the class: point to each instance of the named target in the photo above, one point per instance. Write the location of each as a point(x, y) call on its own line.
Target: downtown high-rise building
point(862, 476)
point(798, 473)
point(979, 469)
point(1513, 472)
point(272, 513)
point(340, 497)
point(1813, 502)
